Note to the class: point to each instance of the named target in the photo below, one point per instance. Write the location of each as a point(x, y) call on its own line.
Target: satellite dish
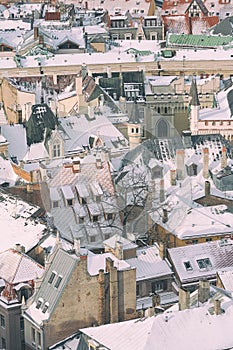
point(6, 14)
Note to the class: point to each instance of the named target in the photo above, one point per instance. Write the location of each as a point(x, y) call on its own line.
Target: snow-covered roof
point(126, 244)
point(16, 267)
point(188, 329)
point(98, 261)
point(195, 262)
point(15, 219)
point(226, 278)
point(7, 173)
point(149, 264)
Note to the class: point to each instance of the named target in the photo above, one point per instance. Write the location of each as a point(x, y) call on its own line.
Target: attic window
point(58, 282)
point(39, 303)
point(51, 278)
point(188, 266)
point(204, 263)
point(45, 308)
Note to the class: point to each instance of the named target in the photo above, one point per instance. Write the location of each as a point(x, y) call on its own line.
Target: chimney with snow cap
point(173, 177)
point(184, 299)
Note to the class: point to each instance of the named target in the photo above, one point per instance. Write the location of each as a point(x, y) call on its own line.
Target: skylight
point(188, 266)
point(51, 278)
point(204, 263)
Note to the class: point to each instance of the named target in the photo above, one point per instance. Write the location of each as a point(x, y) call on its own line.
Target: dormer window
point(51, 278)
point(45, 308)
point(39, 303)
point(56, 150)
point(58, 282)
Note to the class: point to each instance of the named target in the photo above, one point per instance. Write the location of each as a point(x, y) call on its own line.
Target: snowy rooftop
point(188, 329)
point(16, 220)
point(98, 261)
point(195, 262)
point(149, 264)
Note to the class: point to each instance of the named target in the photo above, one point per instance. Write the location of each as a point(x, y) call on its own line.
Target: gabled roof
point(16, 267)
point(200, 4)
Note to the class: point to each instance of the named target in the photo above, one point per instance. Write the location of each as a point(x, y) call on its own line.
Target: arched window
point(162, 128)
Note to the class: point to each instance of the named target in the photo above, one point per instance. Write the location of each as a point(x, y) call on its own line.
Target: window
point(3, 343)
point(156, 286)
point(188, 265)
point(55, 204)
point(95, 218)
point(56, 150)
point(209, 239)
point(194, 241)
point(45, 308)
point(137, 290)
point(70, 202)
point(33, 336)
point(213, 123)
point(206, 123)
point(39, 303)
point(3, 324)
point(204, 263)
point(109, 216)
point(58, 282)
point(81, 220)
point(51, 278)
point(92, 239)
point(39, 339)
point(21, 323)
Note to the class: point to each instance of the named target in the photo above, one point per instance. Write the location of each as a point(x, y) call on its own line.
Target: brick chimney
point(99, 164)
point(205, 171)
point(184, 299)
point(162, 250)
point(77, 246)
point(173, 177)
point(224, 158)
point(36, 32)
point(101, 313)
point(180, 164)
point(203, 291)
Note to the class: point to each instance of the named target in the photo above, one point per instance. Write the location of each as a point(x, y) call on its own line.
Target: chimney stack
point(207, 188)
point(162, 250)
point(36, 32)
point(161, 192)
point(224, 158)
point(203, 291)
point(99, 164)
point(180, 164)
point(77, 246)
point(184, 299)
point(205, 171)
point(165, 216)
point(119, 250)
point(76, 166)
point(173, 177)
point(217, 307)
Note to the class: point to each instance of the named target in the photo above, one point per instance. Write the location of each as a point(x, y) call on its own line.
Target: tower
point(134, 127)
point(194, 108)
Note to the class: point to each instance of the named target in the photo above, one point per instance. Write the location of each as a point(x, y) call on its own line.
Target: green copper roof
point(199, 40)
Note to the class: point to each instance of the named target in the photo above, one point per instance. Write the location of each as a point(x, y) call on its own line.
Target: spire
point(194, 94)
point(135, 114)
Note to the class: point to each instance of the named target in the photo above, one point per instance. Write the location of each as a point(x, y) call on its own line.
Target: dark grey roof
point(40, 124)
point(134, 117)
point(194, 94)
point(225, 27)
point(201, 6)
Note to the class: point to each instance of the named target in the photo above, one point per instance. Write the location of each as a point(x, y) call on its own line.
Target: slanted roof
point(194, 94)
point(190, 261)
point(198, 40)
point(48, 292)
point(16, 267)
point(201, 6)
point(134, 114)
point(149, 264)
point(111, 242)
